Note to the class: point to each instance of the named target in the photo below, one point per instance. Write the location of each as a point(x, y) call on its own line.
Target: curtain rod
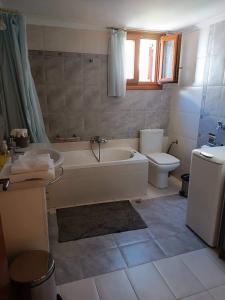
point(134, 29)
point(116, 28)
point(8, 10)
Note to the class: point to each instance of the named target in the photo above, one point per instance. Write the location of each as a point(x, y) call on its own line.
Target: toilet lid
point(163, 158)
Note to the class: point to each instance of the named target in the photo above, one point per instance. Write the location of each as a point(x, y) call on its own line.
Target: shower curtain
point(19, 103)
point(116, 63)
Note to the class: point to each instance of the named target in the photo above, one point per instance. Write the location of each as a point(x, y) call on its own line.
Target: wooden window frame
point(176, 55)
point(134, 84)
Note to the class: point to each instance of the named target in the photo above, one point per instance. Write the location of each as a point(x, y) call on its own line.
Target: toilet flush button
point(206, 154)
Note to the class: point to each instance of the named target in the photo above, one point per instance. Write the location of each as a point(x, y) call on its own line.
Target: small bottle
point(3, 154)
point(4, 147)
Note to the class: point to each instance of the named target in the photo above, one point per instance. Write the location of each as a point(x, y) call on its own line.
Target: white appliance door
point(205, 198)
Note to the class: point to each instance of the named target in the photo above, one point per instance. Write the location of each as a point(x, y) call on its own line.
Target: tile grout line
point(192, 271)
point(205, 289)
point(124, 258)
point(211, 295)
point(158, 271)
point(131, 243)
point(138, 242)
point(158, 244)
point(214, 260)
point(165, 282)
point(125, 271)
point(94, 280)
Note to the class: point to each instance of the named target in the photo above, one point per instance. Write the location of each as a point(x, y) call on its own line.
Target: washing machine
point(206, 193)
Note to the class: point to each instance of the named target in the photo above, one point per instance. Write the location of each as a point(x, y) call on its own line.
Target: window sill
point(152, 86)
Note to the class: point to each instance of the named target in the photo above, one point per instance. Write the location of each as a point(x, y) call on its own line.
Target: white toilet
point(160, 164)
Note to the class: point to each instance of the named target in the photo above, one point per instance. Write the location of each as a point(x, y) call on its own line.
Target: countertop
point(29, 184)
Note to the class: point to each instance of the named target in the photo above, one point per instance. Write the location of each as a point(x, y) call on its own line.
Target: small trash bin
point(32, 275)
point(185, 184)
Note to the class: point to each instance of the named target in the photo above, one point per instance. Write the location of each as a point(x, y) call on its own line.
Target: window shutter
point(169, 58)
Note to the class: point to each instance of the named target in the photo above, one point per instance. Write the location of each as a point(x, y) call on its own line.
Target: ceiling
point(142, 14)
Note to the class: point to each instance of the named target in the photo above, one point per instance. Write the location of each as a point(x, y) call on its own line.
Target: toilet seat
point(163, 158)
point(160, 164)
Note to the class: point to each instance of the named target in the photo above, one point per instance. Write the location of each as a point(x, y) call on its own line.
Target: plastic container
point(185, 185)
point(22, 142)
point(32, 275)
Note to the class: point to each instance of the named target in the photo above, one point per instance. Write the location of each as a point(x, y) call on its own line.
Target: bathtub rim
point(136, 158)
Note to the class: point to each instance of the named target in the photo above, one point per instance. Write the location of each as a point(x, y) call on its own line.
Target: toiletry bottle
point(4, 153)
point(4, 147)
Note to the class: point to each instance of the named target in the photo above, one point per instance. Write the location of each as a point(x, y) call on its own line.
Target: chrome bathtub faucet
point(98, 140)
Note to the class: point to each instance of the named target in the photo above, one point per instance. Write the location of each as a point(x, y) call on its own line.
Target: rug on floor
point(84, 221)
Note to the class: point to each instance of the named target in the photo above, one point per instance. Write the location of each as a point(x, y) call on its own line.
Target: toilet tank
point(151, 140)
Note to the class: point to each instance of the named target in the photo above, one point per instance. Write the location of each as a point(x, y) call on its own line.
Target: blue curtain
point(19, 103)
point(116, 64)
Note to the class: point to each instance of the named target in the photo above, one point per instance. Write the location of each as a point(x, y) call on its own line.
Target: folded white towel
point(41, 175)
point(29, 164)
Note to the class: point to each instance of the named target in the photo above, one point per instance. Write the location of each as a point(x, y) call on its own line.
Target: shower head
point(2, 25)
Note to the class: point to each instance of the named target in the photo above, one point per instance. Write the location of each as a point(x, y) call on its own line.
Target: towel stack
point(30, 167)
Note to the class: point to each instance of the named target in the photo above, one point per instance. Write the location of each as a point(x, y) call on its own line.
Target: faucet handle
point(104, 140)
point(220, 125)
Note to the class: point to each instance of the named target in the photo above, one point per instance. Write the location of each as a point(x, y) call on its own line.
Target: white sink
point(55, 155)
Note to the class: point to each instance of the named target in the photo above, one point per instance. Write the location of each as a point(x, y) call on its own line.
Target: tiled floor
point(165, 236)
point(197, 275)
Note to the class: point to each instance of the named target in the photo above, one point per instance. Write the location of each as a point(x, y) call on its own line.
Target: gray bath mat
point(84, 221)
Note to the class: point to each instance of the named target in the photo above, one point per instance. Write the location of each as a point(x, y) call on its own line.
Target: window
point(151, 59)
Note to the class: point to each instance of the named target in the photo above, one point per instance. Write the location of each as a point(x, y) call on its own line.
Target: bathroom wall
point(186, 99)
point(213, 104)
point(198, 101)
point(70, 72)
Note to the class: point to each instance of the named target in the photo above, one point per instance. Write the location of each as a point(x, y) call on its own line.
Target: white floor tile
point(148, 283)
point(173, 188)
point(202, 296)
point(218, 293)
point(179, 278)
point(204, 268)
point(214, 256)
point(84, 289)
point(115, 285)
point(209, 251)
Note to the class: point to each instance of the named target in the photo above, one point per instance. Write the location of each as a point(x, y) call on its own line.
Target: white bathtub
point(121, 174)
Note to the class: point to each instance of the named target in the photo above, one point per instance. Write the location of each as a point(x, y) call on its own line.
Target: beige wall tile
point(66, 39)
point(94, 42)
point(35, 37)
point(62, 39)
